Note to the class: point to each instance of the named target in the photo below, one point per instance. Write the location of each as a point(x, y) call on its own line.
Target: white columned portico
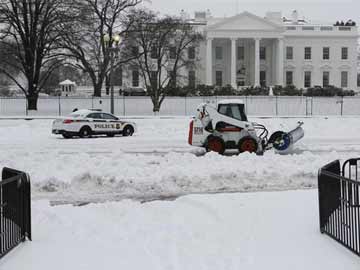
point(209, 73)
point(280, 64)
point(233, 63)
point(257, 62)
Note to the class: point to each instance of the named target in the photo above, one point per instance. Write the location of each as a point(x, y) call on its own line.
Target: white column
point(233, 63)
point(257, 62)
point(274, 63)
point(280, 70)
point(209, 56)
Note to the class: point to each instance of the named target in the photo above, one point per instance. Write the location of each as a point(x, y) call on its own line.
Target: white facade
point(246, 50)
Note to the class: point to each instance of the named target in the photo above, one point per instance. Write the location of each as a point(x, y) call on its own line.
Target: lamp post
point(113, 49)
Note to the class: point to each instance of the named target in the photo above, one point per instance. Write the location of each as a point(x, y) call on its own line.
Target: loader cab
point(233, 108)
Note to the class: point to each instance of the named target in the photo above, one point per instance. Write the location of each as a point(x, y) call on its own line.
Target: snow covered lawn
point(157, 161)
point(263, 230)
point(252, 231)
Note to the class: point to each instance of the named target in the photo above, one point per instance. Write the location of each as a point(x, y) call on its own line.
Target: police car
point(85, 123)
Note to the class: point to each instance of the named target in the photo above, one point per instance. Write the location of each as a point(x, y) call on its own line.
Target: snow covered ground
point(258, 230)
point(157, 161)
point(252, 231)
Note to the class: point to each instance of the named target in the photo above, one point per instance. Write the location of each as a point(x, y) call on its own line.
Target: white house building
point(246, 50)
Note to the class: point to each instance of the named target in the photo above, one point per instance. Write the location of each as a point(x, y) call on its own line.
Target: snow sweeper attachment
point(227, 127)
point(283, 141)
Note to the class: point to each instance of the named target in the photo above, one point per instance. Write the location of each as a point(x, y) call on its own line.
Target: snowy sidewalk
point(254, 231)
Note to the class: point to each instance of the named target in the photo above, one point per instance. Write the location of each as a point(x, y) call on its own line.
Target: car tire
point(128, 131)
point(67, 136)
point(85, 132)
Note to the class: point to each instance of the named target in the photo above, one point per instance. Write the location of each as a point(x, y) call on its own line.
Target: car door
point(97, 123)
point(112, 122)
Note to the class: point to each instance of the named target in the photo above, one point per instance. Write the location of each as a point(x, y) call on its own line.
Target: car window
point(75, 115)
point(94, 116)
point(108, 116)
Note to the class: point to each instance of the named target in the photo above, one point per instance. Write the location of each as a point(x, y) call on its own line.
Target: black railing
point(15, 209)
point(339, 203)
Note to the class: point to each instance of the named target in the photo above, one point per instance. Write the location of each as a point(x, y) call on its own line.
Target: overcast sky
point(313, 10)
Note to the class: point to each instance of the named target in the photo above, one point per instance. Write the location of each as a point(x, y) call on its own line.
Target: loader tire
point(215, 144)
point(248, 144)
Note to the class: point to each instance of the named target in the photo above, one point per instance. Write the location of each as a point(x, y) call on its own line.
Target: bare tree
point(85, 43)
point(30, 32)
point(166, 50)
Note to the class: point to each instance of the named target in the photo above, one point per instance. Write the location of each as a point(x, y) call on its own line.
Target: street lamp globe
point(117, 39)
point(106, 38)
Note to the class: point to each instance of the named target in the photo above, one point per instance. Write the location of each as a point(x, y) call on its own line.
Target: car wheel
point(128, 131)
point(85, 132)
point(67, 136)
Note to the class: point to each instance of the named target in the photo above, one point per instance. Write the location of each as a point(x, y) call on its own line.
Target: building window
point(326, 53)
point(344, 79)
point(135, 51)
point(263, 78)
point(191, 53)
point(289, 53)
point(241, 53)
point(307, 79)
point(307, 55)
point(192, 78)
point(172, 79)
point(218, 53)
point(326, 78)
point(344, 53)
point(119, 76)
point(289, 78)
point(172, 52)
point(218, 78)
point(135, 78)
point(154, 52)
point(153, 79)
point(262, 53)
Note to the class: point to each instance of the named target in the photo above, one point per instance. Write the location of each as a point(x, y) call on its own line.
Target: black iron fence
point(15, 209)
point(339, 202)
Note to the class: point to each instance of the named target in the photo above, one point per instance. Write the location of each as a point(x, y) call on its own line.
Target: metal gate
point(15, 209)
point(339, 203)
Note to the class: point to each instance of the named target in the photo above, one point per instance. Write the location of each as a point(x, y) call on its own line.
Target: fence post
point(312, 105)
point(246, 106)
point(342, 105)
point(59, 100)
point(26, 106)
point(124, 110)
point(185, 106)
